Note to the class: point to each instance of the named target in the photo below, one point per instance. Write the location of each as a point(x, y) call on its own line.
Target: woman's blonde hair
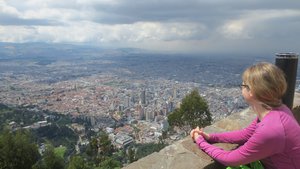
point(267, 83)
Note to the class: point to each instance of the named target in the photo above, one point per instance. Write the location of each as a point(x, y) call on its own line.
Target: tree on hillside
point(99, 148)
point(17, 150)
point(131, 154)
point(92, 148)
point(106, 148)
point(77, 162)
point(176, 118)
point(147, 148)
point(50, 160)
point(109, 163)
point(193, 112)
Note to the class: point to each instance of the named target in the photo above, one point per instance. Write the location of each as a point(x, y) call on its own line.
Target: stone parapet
point(184, 154)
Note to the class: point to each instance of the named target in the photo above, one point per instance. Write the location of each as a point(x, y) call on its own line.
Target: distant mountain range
point(34, 50)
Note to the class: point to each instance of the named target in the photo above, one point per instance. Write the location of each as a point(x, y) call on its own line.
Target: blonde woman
point(274, 135)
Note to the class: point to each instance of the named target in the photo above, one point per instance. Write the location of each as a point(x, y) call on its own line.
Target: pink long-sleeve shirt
point(275, 141)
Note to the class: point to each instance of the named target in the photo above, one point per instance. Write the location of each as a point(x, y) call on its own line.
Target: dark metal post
point(288, 63)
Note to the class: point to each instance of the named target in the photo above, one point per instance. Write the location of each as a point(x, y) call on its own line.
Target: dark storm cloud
point(209, 12)
point(159, 11)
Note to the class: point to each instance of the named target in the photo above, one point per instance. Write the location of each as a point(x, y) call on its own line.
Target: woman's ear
point(251, 94)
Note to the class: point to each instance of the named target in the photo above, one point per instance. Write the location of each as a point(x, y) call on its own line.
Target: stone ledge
point(185, 154)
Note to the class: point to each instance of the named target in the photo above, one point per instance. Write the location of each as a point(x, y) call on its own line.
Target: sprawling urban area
point(127, 93)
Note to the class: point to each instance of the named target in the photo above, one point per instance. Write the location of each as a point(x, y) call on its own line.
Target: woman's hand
point(197, 131)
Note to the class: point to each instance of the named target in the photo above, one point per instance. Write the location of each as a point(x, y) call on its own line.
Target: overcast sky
point(217, 26)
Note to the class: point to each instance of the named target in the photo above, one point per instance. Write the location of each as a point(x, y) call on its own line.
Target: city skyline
point(254, 27)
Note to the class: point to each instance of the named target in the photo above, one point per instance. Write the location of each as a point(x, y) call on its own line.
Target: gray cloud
point(130, 11)
point(186, 25)
point(17, 21)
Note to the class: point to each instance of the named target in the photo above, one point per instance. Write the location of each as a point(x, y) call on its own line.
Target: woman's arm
point(262, 144)
point(235, 137)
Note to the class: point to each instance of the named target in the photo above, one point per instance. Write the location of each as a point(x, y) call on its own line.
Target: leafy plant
point(192, 112)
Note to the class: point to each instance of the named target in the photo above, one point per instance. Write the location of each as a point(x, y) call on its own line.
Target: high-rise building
point(170, 106)
point(93, 120)
point(143, 97)
point(149, 115)
point(128, 114)
point(174, 93)
point(132, 98)
point(140, 111)
point(165, 111)
point(127, 101)
point(121, 108)
point(112, 106)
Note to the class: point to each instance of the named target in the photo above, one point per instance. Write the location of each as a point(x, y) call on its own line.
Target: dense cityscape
point(127, 94)
point(110, 97)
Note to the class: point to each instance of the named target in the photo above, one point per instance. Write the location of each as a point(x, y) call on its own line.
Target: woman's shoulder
point(279, 120)
point(282, 109)
point(273, 123)
point(284, 114)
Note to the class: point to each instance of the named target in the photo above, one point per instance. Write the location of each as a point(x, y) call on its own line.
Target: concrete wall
point(185, 154)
